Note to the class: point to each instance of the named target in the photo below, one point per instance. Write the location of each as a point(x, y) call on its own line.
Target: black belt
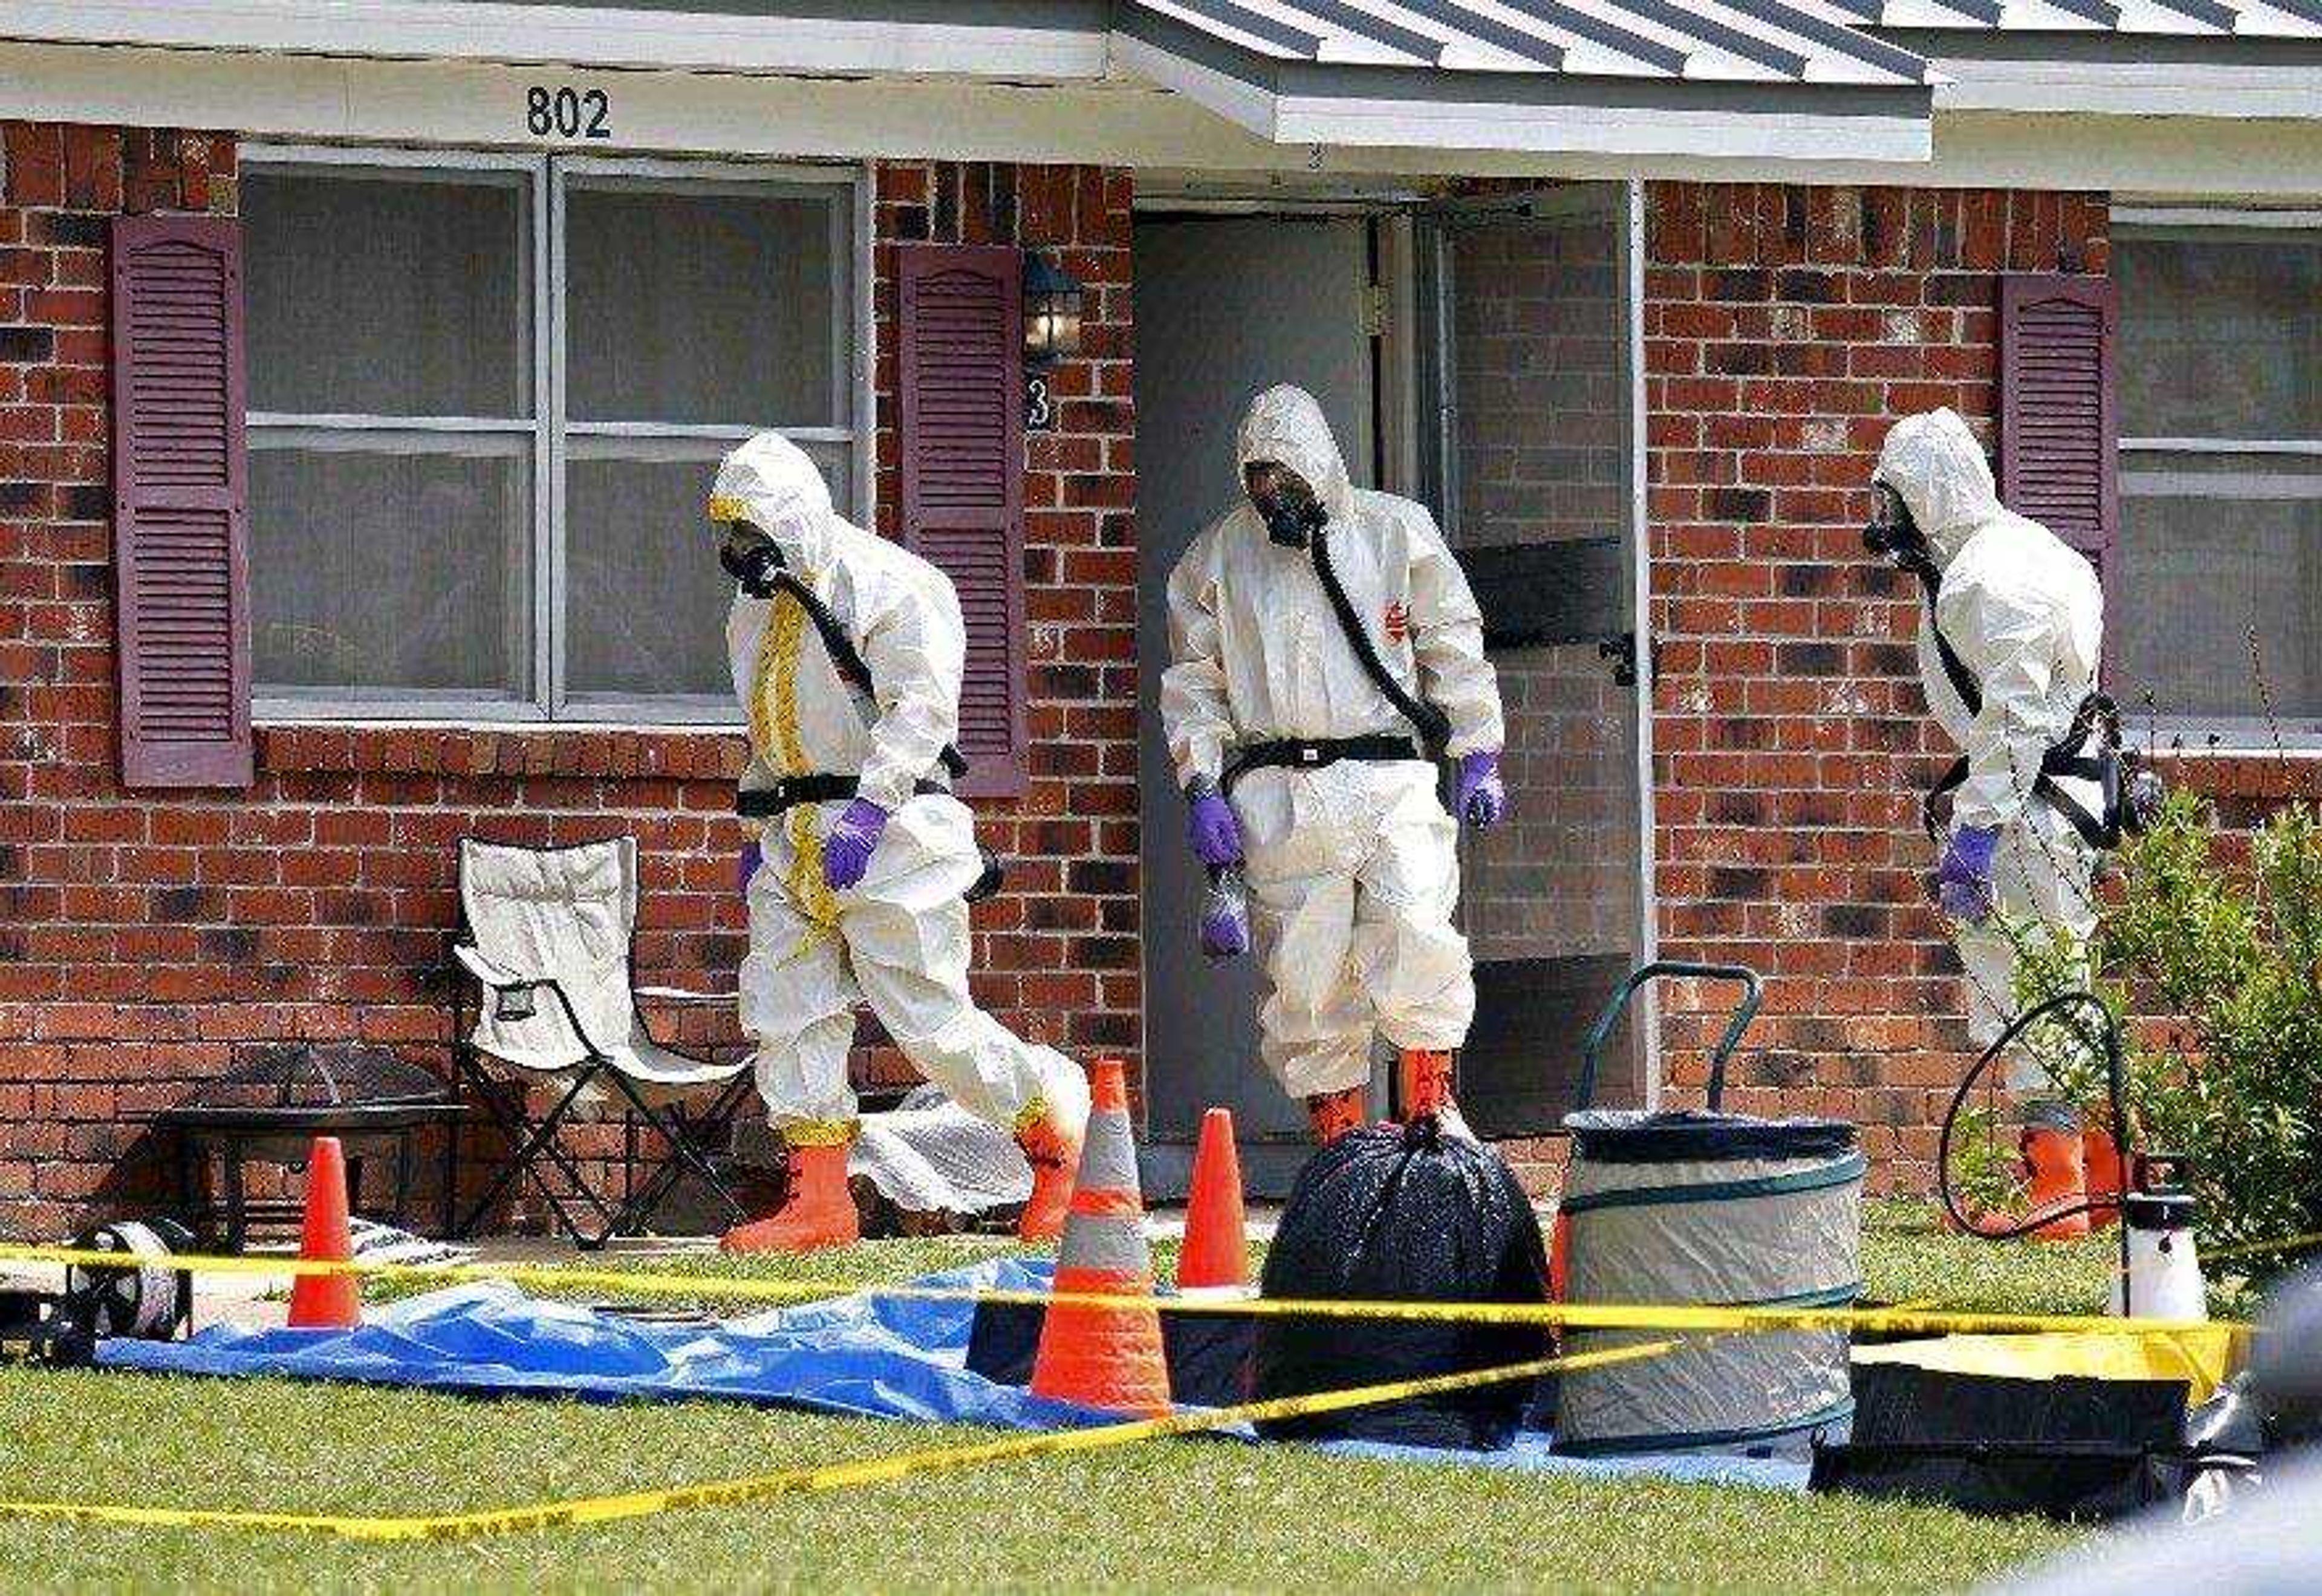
point(1313, 753)
point(788, 793)
point(2096, 722)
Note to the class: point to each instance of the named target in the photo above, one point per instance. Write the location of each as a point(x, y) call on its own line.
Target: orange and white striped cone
point(1104, 1358)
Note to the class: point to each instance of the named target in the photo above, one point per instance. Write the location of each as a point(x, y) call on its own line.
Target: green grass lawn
point(1176, 1514)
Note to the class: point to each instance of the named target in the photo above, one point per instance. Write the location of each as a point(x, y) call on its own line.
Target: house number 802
point(568, 113)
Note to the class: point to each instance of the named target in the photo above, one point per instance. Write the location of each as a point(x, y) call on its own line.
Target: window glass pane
point(2221, 333)
point(385, 564)
point(2211, 547)
point(645, 599)
point(724, 304)
point(386, 293)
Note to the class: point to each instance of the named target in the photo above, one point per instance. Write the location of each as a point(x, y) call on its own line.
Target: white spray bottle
point(2161, 1279)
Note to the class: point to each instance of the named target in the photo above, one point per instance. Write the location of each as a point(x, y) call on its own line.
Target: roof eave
point(1061, 41)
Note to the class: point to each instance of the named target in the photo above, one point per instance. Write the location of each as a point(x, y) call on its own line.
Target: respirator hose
point(2116, 1090)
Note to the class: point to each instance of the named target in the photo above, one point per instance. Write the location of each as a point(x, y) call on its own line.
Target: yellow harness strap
point(774, 734)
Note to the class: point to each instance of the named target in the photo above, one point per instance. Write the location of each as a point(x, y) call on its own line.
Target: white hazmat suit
point(2024, 614)
point(1351, 867)
point(897, 940)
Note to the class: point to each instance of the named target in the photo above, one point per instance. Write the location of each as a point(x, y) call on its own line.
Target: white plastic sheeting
point(929, 1155)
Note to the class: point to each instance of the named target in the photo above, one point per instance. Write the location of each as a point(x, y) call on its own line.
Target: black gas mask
point(1892, 532)
point(1285, 502)
point(750, 557)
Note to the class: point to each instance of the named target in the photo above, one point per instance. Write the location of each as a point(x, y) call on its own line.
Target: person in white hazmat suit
point(864, 855)
point(1306, 777)
point(2021, 615)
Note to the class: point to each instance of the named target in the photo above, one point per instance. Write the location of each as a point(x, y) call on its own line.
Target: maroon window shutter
point(180, 479)
point(962, 361)
point(2057, 432)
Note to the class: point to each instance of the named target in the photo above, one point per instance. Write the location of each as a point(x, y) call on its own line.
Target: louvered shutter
point(961, 359)
point(180, 479)
point(2057, 432)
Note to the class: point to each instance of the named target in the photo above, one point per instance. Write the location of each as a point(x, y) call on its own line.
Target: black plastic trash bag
point(1408, 1215)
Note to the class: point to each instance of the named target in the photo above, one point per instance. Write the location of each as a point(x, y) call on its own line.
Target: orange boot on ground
point(1332, 1114)
point(2056, 1158)
point(1055, 1155)
point(818, 1206)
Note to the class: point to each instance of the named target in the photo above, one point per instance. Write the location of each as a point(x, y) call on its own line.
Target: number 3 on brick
point(567, 113)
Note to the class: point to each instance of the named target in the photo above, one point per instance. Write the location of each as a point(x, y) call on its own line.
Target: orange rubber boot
point(2056, 1160)
point(1054, 1157)
point(2105, 1171)
point(1332, 1114)
point(1426, 1082)
point(817, 1207)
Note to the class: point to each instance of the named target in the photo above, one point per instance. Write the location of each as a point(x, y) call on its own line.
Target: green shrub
point(2219, 956)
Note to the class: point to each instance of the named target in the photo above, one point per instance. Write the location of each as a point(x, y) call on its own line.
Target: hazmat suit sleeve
point(1194, 712)
point(1447, 632)
point(2007, 640)
point(916, 646)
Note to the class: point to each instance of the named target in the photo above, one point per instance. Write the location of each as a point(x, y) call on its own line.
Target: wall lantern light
point(1052, 313)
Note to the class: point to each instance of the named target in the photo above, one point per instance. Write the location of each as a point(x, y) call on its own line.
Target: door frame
point(1410, 323)
point(1427, 310)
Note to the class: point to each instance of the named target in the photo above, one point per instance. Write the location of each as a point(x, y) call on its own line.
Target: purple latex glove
point(1225, 917)
point(1215, 834)
point(1963, 879)
point(847, 851)
point(1483, 797)
point(746, 865)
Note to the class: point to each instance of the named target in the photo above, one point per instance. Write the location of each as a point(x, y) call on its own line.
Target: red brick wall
point(146, 938)
point(1786, 327)
point(1058, 954)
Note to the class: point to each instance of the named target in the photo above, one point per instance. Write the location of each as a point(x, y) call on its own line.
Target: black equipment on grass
point(145, 1300)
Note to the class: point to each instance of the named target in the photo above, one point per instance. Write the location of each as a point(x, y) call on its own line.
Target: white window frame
point(2219, 482)
point(548, 429)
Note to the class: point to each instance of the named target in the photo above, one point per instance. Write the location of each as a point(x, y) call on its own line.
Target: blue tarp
point(883, 1357)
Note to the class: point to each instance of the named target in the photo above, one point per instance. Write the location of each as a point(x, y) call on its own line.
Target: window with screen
point(2220, 550)
point(486, 401)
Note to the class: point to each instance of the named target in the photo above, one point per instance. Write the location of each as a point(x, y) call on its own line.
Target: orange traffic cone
point(1104, 1358)
point(1214, 1253)
point(326, 1301)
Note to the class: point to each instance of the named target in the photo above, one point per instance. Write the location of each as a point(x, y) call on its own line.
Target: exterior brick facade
point(147, 940)
point(1785, 328)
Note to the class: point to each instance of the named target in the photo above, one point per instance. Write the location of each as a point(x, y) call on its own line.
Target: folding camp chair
point(546, 932)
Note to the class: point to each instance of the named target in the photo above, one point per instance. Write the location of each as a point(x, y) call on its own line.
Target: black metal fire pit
point(272, 1106)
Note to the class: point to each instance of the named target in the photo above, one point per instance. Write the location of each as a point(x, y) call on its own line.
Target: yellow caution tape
point(639, 1504)
point(1586, 1316)
point(2288, 1243)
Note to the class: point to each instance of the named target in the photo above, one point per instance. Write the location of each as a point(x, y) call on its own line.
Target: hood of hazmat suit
point(1260, 654)
point(1257, 656)
point(900, 611)
point(2023, 611)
